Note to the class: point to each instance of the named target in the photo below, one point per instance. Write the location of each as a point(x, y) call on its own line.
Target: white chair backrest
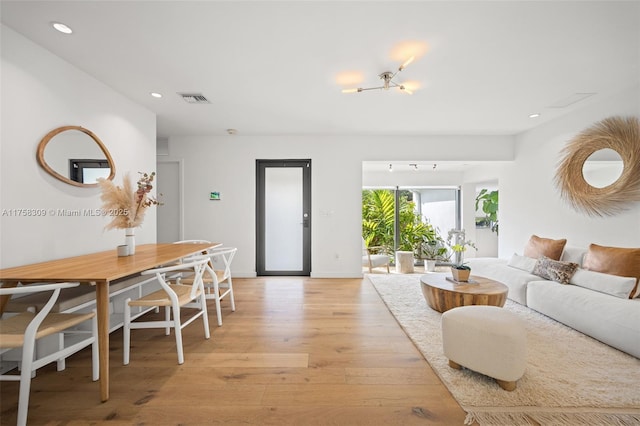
point(33, 326)
point(221, 259)
point(198, 263)
point(35, 288)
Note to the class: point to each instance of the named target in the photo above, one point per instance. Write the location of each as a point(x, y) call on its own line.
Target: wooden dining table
point(99, 269)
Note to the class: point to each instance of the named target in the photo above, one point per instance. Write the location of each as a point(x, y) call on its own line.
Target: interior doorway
point(169, 226)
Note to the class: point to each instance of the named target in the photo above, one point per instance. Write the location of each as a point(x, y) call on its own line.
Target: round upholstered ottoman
point(486, 339)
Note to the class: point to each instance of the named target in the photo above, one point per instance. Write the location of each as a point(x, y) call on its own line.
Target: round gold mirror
point(607, 154)
point(76, 156)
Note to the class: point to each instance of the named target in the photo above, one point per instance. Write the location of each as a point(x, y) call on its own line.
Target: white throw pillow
point(573, 254)
point(522, 262)
point(604, 283)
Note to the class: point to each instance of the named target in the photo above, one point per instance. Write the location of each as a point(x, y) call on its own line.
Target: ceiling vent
point(194, 98)
point(570, 100)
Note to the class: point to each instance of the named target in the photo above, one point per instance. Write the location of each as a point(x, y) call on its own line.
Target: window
point(400, 218)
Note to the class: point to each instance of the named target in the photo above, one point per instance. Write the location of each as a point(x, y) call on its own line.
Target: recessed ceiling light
point(62, 27)
point(534, 115)
point(156, 94)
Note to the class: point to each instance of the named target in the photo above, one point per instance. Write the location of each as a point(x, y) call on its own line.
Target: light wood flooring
point(297, 351)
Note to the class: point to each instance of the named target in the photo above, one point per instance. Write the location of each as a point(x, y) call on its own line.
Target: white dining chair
point(178, 272)
point(23, 329)
point(173, 297)
point(217, 279)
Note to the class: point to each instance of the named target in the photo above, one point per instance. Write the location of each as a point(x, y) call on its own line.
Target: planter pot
point(430, 265)
point(460, 274)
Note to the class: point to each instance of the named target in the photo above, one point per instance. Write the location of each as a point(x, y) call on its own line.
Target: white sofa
point(606, 314)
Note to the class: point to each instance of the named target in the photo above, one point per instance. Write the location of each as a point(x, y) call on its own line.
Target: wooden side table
point(442, 294)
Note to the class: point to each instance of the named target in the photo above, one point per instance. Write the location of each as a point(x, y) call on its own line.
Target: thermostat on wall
point(214, 196)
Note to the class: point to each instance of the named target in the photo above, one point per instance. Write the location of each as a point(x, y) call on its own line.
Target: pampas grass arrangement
point(621, 134)
point(126, 206)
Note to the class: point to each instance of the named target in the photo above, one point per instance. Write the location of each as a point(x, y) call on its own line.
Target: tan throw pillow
point(547, 247)
point(624, 262)
point(554, 270)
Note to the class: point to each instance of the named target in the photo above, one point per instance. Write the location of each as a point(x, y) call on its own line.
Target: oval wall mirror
point(603, 168)
point(76, 156)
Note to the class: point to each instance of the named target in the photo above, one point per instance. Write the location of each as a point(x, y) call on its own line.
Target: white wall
point(412, 179)
point(530, 202)
point(40, 92)
point(227, 164)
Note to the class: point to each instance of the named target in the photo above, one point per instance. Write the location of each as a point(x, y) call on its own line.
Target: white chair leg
point(167, 318)
point(126, 332)
point(25, 382)
point(233, 300)
point(32, 374)
point(178, 330)
point(205, 318)
point(216, 291)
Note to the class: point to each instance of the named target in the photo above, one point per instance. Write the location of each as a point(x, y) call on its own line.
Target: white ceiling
point(273, 67)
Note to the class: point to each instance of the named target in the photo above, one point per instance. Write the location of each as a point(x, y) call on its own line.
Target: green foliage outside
point(489, 202)
point(378, 220)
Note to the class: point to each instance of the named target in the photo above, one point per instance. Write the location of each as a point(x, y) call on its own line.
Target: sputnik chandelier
point(387, 81)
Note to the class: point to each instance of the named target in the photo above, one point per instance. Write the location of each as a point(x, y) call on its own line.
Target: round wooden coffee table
point(442, 294)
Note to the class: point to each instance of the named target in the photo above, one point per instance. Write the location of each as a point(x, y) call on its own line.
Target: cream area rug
point(570, 379)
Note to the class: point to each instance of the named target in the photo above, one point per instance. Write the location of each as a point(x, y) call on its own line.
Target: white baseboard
point(242, 274)
point(253, 274)
point(336, 275)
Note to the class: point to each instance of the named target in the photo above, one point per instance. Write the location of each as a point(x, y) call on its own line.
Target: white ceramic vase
point(130, 240)
point(430, 265)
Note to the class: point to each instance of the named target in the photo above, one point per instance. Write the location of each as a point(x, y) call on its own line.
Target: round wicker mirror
point(620, 134)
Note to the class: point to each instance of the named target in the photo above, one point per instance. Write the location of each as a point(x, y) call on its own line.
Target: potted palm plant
point(456, 241)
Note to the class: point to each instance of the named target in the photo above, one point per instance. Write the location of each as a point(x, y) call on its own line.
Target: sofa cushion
point(554, 270)
point(573, 254)
point(624, 262)
point(523, 263)
point(611, 320)
point(497, 269)
point(537, 247)
point(604, 283)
